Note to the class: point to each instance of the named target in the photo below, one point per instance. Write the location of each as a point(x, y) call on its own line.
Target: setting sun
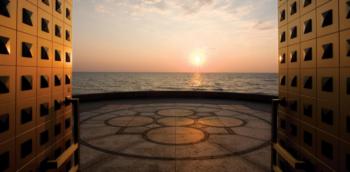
point(198, 58)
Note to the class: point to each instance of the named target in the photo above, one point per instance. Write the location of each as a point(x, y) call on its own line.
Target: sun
point(198, 61)
point(198, 58)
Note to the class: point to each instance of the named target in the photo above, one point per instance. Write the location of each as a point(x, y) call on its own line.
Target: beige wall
point(35, 78)
point(314, 69)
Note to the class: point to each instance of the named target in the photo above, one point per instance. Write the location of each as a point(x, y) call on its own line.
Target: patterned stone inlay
point(130, 121)
point(175, 132)
point(175, 121)
point(216, 121)
point(175, 135)
point(175, 112)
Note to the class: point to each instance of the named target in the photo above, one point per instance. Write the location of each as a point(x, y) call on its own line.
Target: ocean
point(97, 82)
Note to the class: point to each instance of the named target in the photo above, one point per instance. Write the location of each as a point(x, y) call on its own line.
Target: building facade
point(314, 87)
point(36, 118)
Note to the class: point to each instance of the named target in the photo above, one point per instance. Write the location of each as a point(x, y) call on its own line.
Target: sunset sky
point(175, 35)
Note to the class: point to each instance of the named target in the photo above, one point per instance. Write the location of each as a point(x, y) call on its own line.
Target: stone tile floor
point(175, 135)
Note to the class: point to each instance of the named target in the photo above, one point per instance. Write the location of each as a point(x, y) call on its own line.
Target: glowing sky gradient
point(162, 35)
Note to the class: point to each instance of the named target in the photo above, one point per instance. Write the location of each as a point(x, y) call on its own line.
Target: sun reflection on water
point(197, 80)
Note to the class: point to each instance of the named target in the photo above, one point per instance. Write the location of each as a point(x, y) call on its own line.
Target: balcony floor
point(175, 135)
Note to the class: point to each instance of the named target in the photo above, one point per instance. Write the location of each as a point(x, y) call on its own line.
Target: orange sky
point(165, 36)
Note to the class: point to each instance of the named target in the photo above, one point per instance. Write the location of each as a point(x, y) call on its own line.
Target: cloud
point(100, 8)
point(184, 6)
point(194, 6)
point(264, 25)
point(225, 10)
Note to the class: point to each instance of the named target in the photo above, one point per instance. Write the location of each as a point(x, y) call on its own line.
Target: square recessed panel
point(282, 58)
point(57, 128)
point(58, 55)
point(283, 80)
point(44, 137)
point(292, 129)
point(68, 13)
point(7, 84)
point(328, 149)
point(294, 31)
point(45, 53)
point(344, 101)
point(328, 116)
point(307, 6)
point(282, 36)
point(25, 115)
point(46, 5)
point(308, 138)
point(68, 122)
point(58, 9)
point(282, 123)
point(308, 54)
point(7, 121)
point(7, 156)
point(328, 51)
point(327, 17)
point(58, 31)
point(344, 14)
point(293, 104)
point(308, 82)
point(8, 12)
point(45, 25)
point(293, 9)
point(294, 57)
point(67, 82)
point(4, 84)
point(25, 148)
point(57, 81)
point(345, 48)
point(294, 79)
point(7, 46)
point(67, 35)
point(328, 84)
point(26, 50)
point(283, 104)
point(308, 26)
point(57, 100)
point(27, 17)
point(26, 82)
point(44, 82)
point(44, 108)
point(344, 156)
point(282, 15)
point(27, 20)
point(308, 110)
point(68, 57)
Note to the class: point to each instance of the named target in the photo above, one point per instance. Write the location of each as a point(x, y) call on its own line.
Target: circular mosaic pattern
point(175, 121)
point(175, 112)
point(215, 121)
point(175, 132)
point(129, 121)
point(175, 135)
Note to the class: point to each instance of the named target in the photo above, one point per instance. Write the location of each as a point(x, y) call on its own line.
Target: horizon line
point(169, 72)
